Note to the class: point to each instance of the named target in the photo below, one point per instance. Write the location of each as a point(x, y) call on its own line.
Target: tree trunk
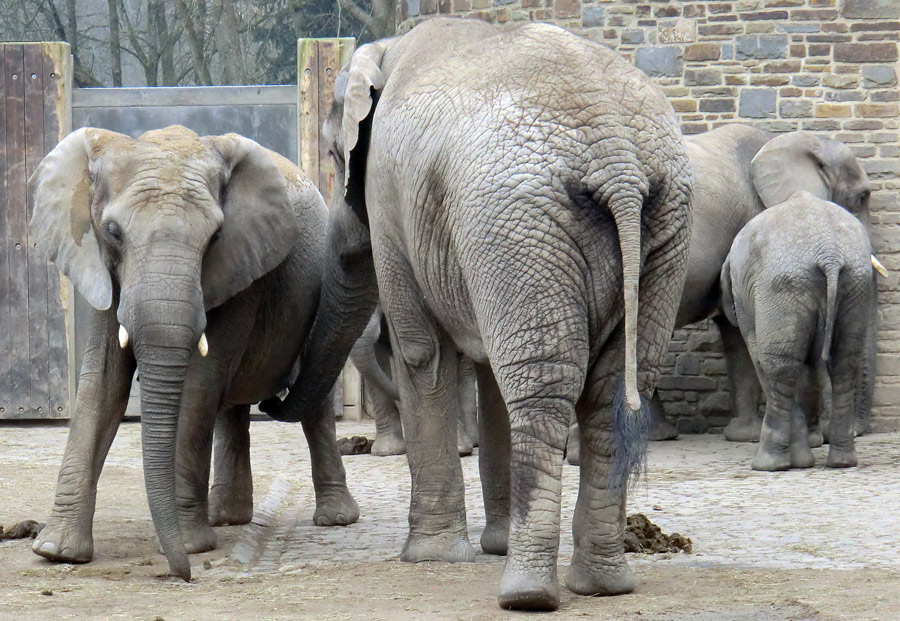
point(115, 51)
point(195, 42)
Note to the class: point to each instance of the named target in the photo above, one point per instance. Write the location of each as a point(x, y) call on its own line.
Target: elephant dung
point(642, 535)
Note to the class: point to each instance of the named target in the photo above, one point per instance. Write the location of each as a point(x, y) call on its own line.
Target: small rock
point(47, 592)
point(207, 564)
point(26, 529)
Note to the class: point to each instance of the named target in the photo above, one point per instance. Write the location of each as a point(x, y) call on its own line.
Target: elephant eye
point(114, 231)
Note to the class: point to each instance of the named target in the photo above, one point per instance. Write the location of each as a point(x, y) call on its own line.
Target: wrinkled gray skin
point(799, 284)
point(501, 204)
point(372, 357)
point(738, 171)
point(172, 236)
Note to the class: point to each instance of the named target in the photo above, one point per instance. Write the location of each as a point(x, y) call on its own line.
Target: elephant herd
point(529, 226)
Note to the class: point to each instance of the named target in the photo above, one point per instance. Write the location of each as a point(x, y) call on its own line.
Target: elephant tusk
point(123, 337)
point(203, 345)
point(879, 267)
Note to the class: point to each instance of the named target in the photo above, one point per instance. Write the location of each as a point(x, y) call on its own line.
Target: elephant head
point(349, 288)
point(800, 160)
point(160, 230)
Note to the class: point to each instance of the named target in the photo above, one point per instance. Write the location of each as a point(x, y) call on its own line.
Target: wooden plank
point(17, 226)
point(56, 65)
point(308, 119)
point(328, 57)
point(36, 262)
point(5, 347)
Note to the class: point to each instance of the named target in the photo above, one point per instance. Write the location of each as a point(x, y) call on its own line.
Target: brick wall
point(828, 66)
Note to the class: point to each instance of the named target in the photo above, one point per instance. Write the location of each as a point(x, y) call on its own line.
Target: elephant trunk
point(165, 335)
point(348, 298)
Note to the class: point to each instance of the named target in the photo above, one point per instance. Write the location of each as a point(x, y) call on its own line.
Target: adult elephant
point(513, 214)
point(201, 258)
point(372, 356)
point(739, 171)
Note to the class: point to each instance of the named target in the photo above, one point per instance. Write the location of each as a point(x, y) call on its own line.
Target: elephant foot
point(573, 447)
point(197, 538)
point(769, 461)
point(742, 429)
point(495, 537)
point(385, 445)
point(815, 439)
point(335, 507)
point(63, 545)
point(528, 590)
point(861, 427)
point(599, 579)
point(801, 455)
point(660, 427)
point(464, 444)
point(841, 459)
point(228, 507)
point(447, 548)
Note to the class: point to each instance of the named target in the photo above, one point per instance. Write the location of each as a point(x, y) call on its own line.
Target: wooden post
point(36, 367)
point(318, 63)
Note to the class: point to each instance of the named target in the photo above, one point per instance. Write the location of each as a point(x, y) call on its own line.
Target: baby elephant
point(798, 282)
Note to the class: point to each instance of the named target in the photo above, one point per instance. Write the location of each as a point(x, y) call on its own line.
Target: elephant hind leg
point(493, 462)
point(774, 450)
point(598, 565)
point(231, 496)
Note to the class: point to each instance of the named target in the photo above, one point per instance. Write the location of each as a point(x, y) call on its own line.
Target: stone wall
point(828, 66)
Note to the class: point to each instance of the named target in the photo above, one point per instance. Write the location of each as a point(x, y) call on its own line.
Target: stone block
point(829, 110)
point(694, 10)
point(865, 52)
point(667, 11)
point(593, 16)
point(760, 46)
point(692, 424)
point(659, 61)
point(884, 96)
point(566, 8)
point(766, 15)
point(879, 76)
point(871, 9)
point(770, 80)
point(716, 105)
point(705, 341)
point(412, 8)
point(757, 103)
point(702, 77)
point(682, 31)
point(805, 81)
point(876, 111)
point(684, 105)
point(797, 28)
point(820, 49)
point(719, 30)
point(687, 364)
point(680, 382)
point(837, 80)
point(845, 96)
point(702, 51)
point(633, 36)
point(502, 2)
point(795, 108)
point(428, 7)
point(715, 403)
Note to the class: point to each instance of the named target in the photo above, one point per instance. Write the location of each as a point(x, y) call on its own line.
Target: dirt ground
point(814, 544)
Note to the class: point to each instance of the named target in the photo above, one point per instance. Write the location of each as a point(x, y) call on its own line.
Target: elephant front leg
point(103, 390)
point(493, 462)
point(744, 386)
point(231, 495)
point(335, 505)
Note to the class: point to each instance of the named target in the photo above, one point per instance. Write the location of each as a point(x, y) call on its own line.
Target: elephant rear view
point(799, 283)
point(524, 189)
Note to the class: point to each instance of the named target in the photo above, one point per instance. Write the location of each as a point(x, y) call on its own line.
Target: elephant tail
point(626, 206)
point(631, 418)
point(364, 359)
point(831, 271)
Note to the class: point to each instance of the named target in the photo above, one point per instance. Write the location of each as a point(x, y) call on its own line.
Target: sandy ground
point(814, 544)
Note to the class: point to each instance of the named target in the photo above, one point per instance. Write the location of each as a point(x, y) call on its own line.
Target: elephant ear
point(788, 164)
point(364, 80)
point(61, 192)
point(259, 227)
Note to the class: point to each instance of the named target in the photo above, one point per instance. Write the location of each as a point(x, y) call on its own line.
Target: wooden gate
point(36, 378)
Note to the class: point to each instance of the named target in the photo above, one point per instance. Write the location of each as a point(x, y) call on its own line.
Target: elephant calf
point(799, 284)
point(203, 259)
point(372, 355)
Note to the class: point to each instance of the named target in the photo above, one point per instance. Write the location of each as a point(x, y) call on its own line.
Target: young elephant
point(372, 356)
point(201, 258)
point(799, 284)
point(511, 214)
